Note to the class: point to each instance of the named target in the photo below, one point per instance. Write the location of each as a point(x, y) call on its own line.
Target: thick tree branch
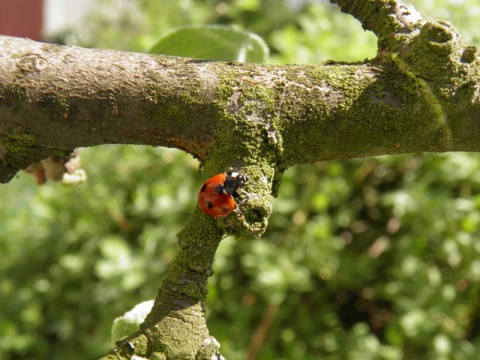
point(88, 97)
point(91, 97)
point(396, 104)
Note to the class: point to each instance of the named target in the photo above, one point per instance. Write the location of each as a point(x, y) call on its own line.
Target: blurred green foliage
point(365, 259)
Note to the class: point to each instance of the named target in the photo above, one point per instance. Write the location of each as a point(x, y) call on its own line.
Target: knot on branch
point(252, 217)
point(436, 54)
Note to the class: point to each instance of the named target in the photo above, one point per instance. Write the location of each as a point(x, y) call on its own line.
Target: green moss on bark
point(20, 148)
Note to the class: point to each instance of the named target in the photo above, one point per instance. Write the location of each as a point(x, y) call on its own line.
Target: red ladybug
point(216, 197)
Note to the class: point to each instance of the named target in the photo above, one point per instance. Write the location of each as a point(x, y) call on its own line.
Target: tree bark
point(422, 98)
point(421, 93)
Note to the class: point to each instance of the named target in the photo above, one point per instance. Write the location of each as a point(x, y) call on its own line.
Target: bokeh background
point(375, 258)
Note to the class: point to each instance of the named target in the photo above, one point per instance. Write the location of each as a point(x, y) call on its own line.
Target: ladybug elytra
point(216, 197)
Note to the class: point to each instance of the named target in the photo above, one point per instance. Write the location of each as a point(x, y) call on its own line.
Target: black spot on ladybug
point(203, 188)
point(209, 204)
point(219, 189)
point(224, 209)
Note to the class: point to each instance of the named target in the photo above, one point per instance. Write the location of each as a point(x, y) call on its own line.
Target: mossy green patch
point(17, 149)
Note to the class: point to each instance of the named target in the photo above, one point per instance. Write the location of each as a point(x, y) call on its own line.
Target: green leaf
point(129, 322)
point(213, 42)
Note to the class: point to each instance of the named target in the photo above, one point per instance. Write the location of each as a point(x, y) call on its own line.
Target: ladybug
point(216, 197)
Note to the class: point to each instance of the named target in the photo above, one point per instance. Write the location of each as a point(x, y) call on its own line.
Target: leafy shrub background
point(374, 258)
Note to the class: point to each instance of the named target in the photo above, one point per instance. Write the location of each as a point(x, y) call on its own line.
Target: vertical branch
point(176, 326)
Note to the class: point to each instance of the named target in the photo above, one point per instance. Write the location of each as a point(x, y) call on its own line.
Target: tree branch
point(394, 104)
point(383, 17)
point(176, 326)
point(88, 97)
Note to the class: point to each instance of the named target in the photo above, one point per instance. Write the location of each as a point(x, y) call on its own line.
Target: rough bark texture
point(420, 94)
point(424, 98)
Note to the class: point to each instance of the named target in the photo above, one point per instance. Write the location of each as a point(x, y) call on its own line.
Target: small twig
point(383, 17)
point(261, 332)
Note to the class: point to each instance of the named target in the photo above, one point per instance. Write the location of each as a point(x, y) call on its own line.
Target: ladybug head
point(234, 183)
